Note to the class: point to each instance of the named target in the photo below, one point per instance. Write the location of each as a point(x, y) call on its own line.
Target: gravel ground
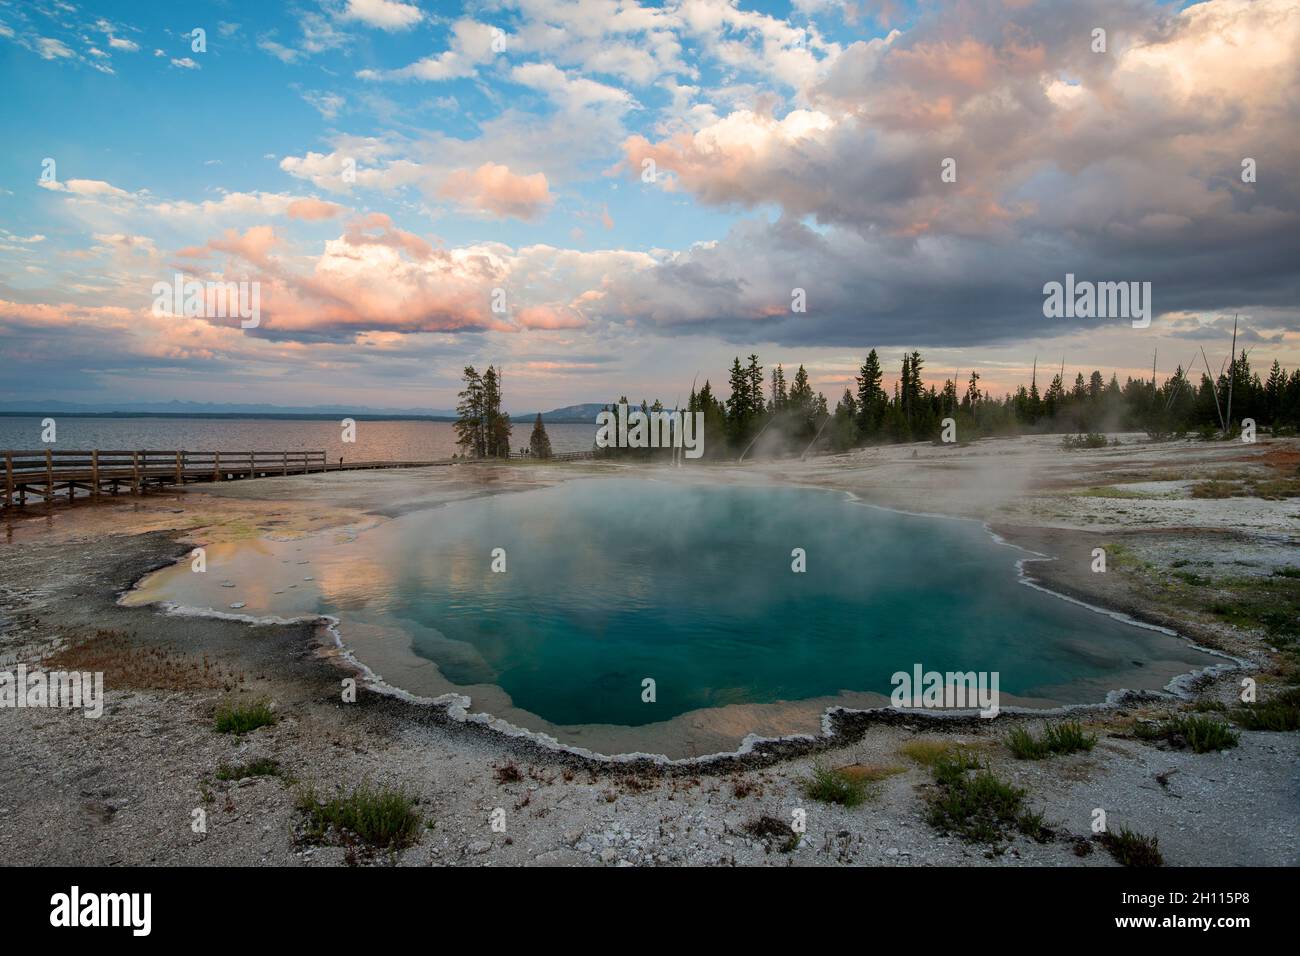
point(125, 788)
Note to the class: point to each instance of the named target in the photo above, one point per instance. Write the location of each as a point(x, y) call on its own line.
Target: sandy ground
point(125, 788)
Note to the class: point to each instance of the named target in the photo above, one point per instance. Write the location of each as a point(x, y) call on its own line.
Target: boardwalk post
point(216, 466)
point(180, 473)
point(49, 475)
point(135, 472)
point(286, 463)
point(9, 480)
point(94, 473)
point(251, 472)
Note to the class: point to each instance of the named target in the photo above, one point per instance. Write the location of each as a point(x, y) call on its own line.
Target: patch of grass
point(1215, 489)
point(379, 817)
point(1266, 603)
point(928, 752)
point(1269, 489)
point(1090, 440)
point(1192, 578)
point(1132, 849)
point(236, 718)
point(1287, 572)
point(1063, 738)
point(978, 807)
point(1034, 825)
point(1108, 491)
point(126, 666)
point(1025, 746)
point(1199, 733)
point(1279, 713)
point(265, 767)
point(835, 786)
point(1122, 556)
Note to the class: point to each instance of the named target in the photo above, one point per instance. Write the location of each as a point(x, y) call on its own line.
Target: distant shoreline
point(283, 416)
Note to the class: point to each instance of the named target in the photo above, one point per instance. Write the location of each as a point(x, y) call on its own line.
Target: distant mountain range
point(585, 414)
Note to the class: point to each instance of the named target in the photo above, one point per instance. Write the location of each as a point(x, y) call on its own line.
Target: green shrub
point(236, 718)
point(1279, 712)
point(381, 817)
point(1199, 733)
point(1064, 738)
point(1090, 440)
point(835, 786)
point(264, 767)
point(1133, 849)
point(979, 808)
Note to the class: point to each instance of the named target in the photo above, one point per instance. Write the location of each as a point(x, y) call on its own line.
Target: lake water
point(608, 582)
point(376, 440)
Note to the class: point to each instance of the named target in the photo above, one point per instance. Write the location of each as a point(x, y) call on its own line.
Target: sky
point(608, 198)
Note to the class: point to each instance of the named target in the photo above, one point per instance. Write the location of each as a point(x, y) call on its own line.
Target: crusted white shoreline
point(456, 705)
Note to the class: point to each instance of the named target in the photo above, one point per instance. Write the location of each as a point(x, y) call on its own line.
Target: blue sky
point(500, 145)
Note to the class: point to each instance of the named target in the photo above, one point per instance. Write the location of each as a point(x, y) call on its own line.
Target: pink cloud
point(494, 189)
point(549, 317)
point(313, 210)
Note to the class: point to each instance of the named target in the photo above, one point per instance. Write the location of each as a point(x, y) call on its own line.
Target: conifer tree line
point(771, 415)
point(483, 429)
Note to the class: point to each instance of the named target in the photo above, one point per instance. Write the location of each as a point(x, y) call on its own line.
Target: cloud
point(51, 49)
point(494, 189)
point(85, 187)
point(569, 92)
point(471, 46)
point(312, 210)
point(384, 14)
point(327, 104)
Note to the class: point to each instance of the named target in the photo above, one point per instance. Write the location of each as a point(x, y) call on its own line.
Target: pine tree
point(871, 397)
point(471, 431)
point(539, 443)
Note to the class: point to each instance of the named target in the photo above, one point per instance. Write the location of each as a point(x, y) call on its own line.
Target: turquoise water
point(610, 581)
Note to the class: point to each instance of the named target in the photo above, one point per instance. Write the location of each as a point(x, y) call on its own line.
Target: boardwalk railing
point(44, 474)
point(558, 456)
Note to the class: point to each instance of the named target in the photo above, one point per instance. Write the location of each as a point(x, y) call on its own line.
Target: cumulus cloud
point(494, 189)
point(385, 14)
point(312, 210)
point(470, 46)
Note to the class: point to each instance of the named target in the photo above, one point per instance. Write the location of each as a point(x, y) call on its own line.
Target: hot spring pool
point(609, 582)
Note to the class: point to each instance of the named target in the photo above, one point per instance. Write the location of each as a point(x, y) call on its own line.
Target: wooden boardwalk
point(50, 475)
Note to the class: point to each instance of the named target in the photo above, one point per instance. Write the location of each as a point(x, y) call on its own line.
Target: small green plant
point(1203, 734)
point(1064, 738)
point(264, 767)
point(928, 752)
point(1090, 440)
point(1025, 746)
point(979, 808)
point(1132, 849)
point(1279, 713)
point(381, 817)
point(1197, 732)
point(835, 786)
point(236, 718)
